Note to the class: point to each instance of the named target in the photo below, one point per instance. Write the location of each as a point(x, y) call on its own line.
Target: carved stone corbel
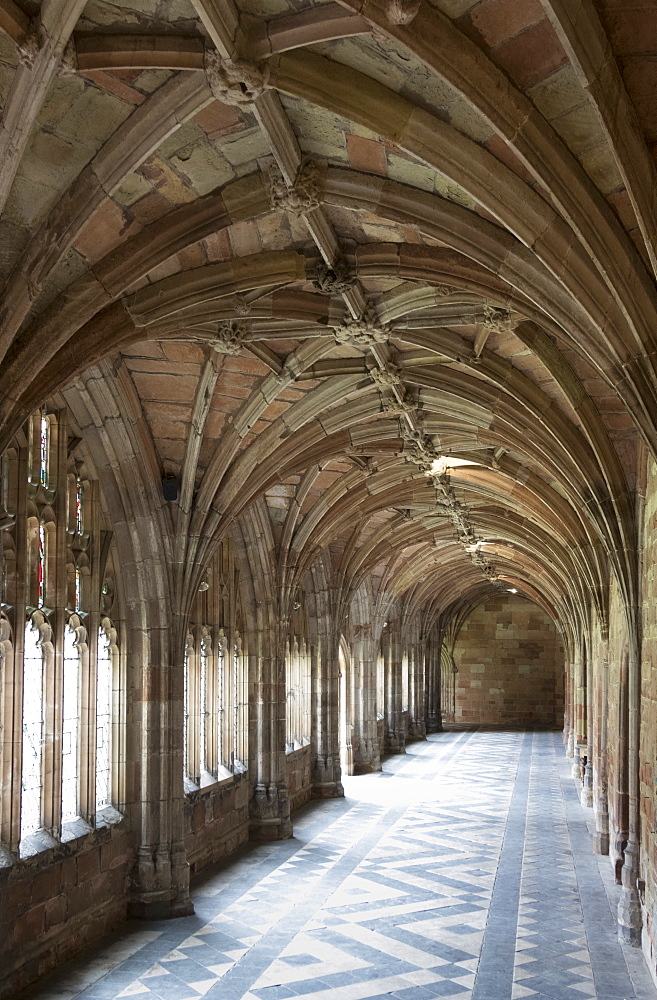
point(498, 320)
point(397, 406)
point(301, 197)
point(386, 377)
point(334, 280)
point(30, 46)
point(364, 331)
point(402, 11)
point(236, 82)
point(230, 336)
point(68, 65)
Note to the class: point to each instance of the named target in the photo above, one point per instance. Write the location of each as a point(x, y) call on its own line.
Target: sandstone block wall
point(56, 902)
point(510, 661)
point(217, 820)
point(298, 767)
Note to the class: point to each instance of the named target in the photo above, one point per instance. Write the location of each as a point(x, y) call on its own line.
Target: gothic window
point(104, 690)
point(215, 715)
point(187, 702)
point(33, 723)
point(62, 727)
point(71, 719)
point(298, 682)
point(44, 445)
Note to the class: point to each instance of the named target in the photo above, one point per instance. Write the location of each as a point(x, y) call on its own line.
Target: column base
point(630, 921)
point(160, 885)
point(327, 790)
point(268, 830)
point(394, 743)
point(601, 843)
point(367, 767)
point(270, 813)
point(586, 797)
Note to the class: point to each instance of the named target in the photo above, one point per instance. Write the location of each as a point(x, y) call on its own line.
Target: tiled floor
point(455, 873)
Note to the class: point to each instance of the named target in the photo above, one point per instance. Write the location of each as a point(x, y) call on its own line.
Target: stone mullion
point(243, 707)
point(326, 773)
point(395, 736)
point(54, 663)
point(86, 724)
point(12, 718)
point(194, 707)
point(212, 701)
point(89, 676)
point(119, 724)
point(225, 708)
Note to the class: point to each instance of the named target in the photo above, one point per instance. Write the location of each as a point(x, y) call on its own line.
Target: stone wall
point(298, 765)
point(58, 901)
point(648, 751)
point(510, 662)
point(217, 820)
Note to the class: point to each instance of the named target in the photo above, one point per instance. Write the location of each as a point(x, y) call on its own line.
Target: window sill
point(41, 849)
point(210, 782)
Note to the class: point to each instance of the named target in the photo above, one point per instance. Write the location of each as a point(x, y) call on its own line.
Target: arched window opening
point(104, 690)
point(62, 728)
point(298, 682)
point(32, 744)
point(189, 653)
point(41, 566)
point(220, 698)
point(70, 724)
point(240, 706)
point(205, 702)
point(215, 723)
point(44, 449)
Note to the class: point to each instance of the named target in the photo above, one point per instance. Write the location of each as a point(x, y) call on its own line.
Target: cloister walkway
point(463, 870)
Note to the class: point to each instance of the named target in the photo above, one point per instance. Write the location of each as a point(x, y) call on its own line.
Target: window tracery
point(61, 685)
point(215, 729)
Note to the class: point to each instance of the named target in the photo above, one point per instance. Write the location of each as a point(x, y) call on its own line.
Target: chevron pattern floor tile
point(455, 873)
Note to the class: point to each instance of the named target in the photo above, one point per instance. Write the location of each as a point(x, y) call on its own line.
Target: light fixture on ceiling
point(511, 590)
point(204, 585)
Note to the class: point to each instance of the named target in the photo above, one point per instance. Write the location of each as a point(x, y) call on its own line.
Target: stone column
point(395, 737)
point(270, 803)
point(363, 661)
point(579, 712)
point(600, 787)
point(326, 772)
point(630, 918)
point(433, 685)
point(160, 881)
point(416, 680)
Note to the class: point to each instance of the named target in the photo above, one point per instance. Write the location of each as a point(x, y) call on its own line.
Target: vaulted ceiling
point(386, 267)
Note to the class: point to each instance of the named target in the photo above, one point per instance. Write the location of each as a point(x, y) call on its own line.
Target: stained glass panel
point(43, 450)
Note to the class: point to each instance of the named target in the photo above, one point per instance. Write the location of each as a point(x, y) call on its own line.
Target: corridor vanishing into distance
point(463, 869)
